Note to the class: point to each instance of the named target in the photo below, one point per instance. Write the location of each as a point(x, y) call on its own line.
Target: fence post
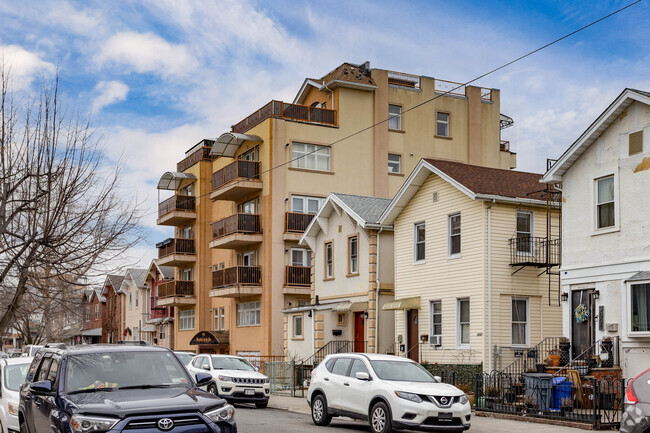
point(595, 403)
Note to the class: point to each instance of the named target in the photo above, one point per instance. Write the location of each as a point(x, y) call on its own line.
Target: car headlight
point(225, 413)
point(83, 423)
point(12, 408)
point(409, 396)
point(464, 399)
point(225, 379)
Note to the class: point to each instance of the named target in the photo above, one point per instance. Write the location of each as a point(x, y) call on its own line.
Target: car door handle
point(346, 384)
point(327, 379)
point(37, 402)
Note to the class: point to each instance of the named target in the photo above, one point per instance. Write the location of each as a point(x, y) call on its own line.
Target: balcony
point(176, 252)
point(236, 180)
point(237, 281)
point(236, 231)
point(295, 225)
point(292, 112)
point(176, 210)
point(176, 294)
point(201, 154)
point(297, 280)
point(535, 251)
point(504, 146)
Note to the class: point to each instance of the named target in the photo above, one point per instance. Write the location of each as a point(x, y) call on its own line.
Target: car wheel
point(212, 389)
point(380, 419)
point(319, 411)
point(262, 405)
point(23, 427)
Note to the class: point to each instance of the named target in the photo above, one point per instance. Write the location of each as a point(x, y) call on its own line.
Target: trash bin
point(538, 389)
point(561, 391)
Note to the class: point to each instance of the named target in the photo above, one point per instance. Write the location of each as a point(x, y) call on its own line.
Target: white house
point(605, 179)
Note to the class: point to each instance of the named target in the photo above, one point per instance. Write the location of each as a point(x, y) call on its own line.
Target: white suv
point(389, 391)
point(235, 379)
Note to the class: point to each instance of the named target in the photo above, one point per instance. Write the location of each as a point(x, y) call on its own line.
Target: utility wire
point(505, 65)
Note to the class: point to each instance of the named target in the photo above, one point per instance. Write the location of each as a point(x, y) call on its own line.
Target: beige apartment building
point(240, 202)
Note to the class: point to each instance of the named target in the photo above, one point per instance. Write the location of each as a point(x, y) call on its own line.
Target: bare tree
point(63, 217)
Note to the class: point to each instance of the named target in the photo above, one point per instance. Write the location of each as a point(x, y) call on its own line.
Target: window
point(215, 319)
point(353, 261)
point(329, 263)
point(640, 308)
point(341, 318)
point(300, 257)
point(419, 242)
point(96, 311)
point(137, 297)
point(251, 154)
point(519, 322)
point(161, 335)
point(341, 367)
point(248, 313)
point(185, 320)
point(249, 207)
point(435, 309)
point(394, 163)
point(394, 117)
point(303, 204)
point(297, 326)
point(636, 143)
point(454, 235)
point(605, 203)
point(186, 274)
point(524, 232)
point(187, 190)
point(463, 322)
point(87, 313)
point(358, 367)
point(130, 300)
point(222, 317)
point(442, 124)
point(247, 259)
point(187, 232)
point(54, 369)
point(310, 156)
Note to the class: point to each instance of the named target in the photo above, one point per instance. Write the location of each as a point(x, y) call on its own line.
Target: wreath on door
point(126, 332)
point(581, 313)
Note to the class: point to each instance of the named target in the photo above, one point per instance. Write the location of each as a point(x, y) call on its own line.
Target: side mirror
point(257, 369)
point(437, 379)
point(203, 379)
point(361, 375)
point(206, 367)
point(42, 387)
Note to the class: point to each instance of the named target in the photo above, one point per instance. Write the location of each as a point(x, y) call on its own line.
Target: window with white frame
point(222, 318)
point(215, 319)
point(394, 117)
point(137, 297)
point(186, 274)
point(96, 311)
point(640, 307)
point(605, 205)
point(248, 313)
point(310, 156)
point(185, 320)
point(419, 239)
point(353, 259)
point(161, 335)
point(442, 124)
point(519, 321)
point(394, 163)
point(300, 257)
point(454, 234)
point(463, 322)
point(304, 204)
point(524, 232)
point(329, 260)
point(297, 326)
point(435, 309)
point(130, 300)
point(251, 206)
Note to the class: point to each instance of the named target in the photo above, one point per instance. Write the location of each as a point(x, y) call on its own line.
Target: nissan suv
point(102, 388)
point(388, 391)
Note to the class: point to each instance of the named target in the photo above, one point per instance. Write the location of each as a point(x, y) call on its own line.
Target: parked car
point(636, 415)
point(12, 372)
point(99, 388)
point(185, 357)
point(235, 379)
point(30, 350)
point(388, 391)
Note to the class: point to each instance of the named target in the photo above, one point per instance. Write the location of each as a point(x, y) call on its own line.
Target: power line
point(367, 128)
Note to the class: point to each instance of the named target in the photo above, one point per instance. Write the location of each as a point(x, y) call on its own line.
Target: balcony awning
point(172, 180)
point(350, 306)
point(227, 143)
point(403, 304)
point(149, 328)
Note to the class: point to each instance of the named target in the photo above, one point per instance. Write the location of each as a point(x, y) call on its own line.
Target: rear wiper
point(145, 386)
point(83, 391)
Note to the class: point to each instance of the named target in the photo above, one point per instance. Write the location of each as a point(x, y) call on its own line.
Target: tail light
point(630, 393)
point(313, 372)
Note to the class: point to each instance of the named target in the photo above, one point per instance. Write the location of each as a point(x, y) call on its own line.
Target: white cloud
point(24, 66)
point(146, 52)
point(71, 19)
point(109, 92)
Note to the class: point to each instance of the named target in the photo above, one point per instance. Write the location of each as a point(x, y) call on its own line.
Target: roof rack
point(134, 342)
point(56, 345)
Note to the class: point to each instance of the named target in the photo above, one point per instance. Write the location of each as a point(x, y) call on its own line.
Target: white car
point(13, 372)
point(30, 350)
point(185, 357)
point(388, 391)
point(235, 379)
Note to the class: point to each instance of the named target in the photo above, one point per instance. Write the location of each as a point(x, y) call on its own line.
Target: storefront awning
point(350, 306)
point(96, 332)
point(149, 328)
point(209, 338)
point(227, 144)
point(172, 180)
point(403, 304)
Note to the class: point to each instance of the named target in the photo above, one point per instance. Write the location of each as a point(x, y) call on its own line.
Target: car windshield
point(185, 357)
point(124, 369)
point(402, 371)
point(224, 363)
point(15, 376)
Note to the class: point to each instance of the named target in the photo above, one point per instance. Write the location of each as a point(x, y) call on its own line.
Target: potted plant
point(607, 353)
point(491, 397)
point(467, 389)
point(554, 355)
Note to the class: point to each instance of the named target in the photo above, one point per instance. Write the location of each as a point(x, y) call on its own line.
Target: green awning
point(350, 306)
point(403, 304)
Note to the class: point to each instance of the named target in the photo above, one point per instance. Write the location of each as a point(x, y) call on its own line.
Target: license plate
point(249, 392)
point(445, 416)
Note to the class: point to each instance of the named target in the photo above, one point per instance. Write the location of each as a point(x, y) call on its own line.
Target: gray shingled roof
point(115, 281)
point(640, 276)
point(368, 208)
point(98, 293)
point(167, 272)
point(138, 276)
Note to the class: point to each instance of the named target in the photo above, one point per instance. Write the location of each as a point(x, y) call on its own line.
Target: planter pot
point(470, 397)
point(541, 368)
point(565, 357)
point(555, 360)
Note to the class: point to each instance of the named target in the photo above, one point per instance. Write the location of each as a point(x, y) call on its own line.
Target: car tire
point(262, 405)
point(380, 418)
point(212, 389)
point(23, 427)
point(319, 411)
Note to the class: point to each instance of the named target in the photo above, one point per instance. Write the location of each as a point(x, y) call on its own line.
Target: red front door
point(359, 332)
point(412, 337)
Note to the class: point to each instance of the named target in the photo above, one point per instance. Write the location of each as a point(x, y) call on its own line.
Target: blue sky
point(158, 76)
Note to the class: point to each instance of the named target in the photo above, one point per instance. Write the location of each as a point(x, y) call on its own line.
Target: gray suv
point(636, 416)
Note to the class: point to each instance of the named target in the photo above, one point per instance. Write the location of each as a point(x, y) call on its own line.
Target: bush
point(456, 374)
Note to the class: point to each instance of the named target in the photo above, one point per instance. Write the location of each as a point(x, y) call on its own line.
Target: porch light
point(596, 295)
point(564, 296)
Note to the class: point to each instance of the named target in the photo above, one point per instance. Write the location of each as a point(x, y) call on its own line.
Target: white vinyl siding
point(520, 322)
point(454, 235)
point(435, 310)
point(463, 323)
point(419, 241)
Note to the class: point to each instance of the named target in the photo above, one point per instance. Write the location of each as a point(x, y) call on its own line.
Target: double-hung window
point(463, 322)
point(185, 320)
point(394, 163)
point(435, 309)
point(640, 308)
point(310, 156)
point(605, 206)
point(394, 117)
point(222, 318)
point(215, 319)
point(137, 297)
point(87, 313)
point(329, 260)
point(442, 124)
point(519, 322)
point(303, 204)
point(353, 259)
point(248, 313)
point(161, 335)
point(419, 235)
point(297, 326)
point(524, 232)
point(454, 235)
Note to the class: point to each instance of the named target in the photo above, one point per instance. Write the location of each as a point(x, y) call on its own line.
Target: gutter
point(489, 271)
point(377, 296)
point(515, 200)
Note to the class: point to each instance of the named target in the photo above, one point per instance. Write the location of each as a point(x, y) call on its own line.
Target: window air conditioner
point(435, 340)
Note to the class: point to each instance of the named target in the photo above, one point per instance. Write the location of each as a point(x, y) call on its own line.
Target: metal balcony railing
point(176, 288)
point(535, 251)
point(201, 154)
point(295, 222)
point(238, 223)
point(282, 110)
point(504, 145)
point(297, 276)
point(176, 246)
point(239, 169)
point(186, 203)
point(237, 276)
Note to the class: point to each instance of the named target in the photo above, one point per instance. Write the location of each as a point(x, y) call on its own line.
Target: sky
point(158, 76)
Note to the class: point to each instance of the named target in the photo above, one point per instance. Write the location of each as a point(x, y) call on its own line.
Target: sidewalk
point(292, 404)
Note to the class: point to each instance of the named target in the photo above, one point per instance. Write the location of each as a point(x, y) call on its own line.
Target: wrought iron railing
point(336, 346)
point(185, 203)
point(603, 353)
point(239, 169)
point(403, 79)
point(504, 145)
point(201, 154)
point(282, 110)
point(527, 359)
point(535, 251)
point(295, 222)
point(297, 276)
point(237, 276)
point(238, 223)
point(176, 288)
point(176, 246)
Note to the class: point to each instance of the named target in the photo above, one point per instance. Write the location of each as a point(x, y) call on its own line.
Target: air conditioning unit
point(435, 340)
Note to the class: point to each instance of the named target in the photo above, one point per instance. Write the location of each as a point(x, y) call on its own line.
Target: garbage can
point(538, 389)
point(561, 392)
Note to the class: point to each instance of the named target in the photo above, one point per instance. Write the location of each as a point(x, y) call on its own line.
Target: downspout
point(489, 281)
point(377, 296)
point(331, 93)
